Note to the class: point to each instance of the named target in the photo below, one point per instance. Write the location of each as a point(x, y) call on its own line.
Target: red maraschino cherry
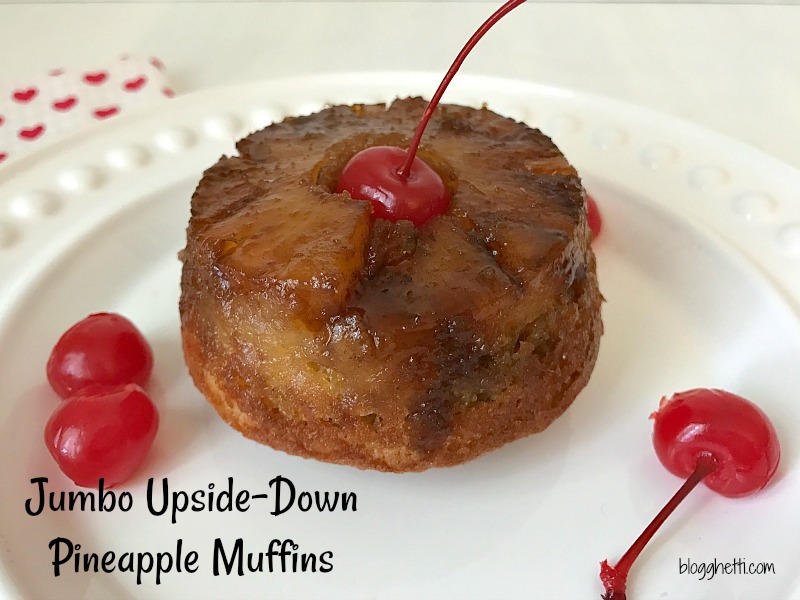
point(398, 184)
point(593, 214)
point(103, 348)
point(730, 428)
point(102, 433)
point(373, 175)
point(705, 435)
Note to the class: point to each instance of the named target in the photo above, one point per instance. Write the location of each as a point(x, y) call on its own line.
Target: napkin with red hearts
point(40, 110)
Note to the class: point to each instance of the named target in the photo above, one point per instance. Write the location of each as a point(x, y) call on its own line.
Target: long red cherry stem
point(615, 578)
point(405, 169)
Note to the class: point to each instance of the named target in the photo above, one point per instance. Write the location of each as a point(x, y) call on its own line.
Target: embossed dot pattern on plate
point(223, 127)
point(34, 205)
point(789, 240)
point(609, 137)
point(561, 124)
point(175, 140)
point(8, 235)
point(659, 156)
point(128, 157)
point(708, 178)
point(81, 179)
point(754, 206)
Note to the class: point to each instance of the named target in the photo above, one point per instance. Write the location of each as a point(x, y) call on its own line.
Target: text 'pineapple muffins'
point(320, 331)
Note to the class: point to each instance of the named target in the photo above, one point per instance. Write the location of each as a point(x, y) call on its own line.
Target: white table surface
point(731, 68)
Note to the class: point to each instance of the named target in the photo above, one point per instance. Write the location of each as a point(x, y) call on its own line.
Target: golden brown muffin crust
point(320, 331)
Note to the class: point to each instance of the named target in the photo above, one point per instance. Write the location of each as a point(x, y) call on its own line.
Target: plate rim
point(54, 151)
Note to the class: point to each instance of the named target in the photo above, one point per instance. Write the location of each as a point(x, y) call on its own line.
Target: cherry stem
point(405, 169)
point(615, 587)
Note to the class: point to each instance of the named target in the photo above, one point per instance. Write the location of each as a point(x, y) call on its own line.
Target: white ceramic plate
point(700, 266)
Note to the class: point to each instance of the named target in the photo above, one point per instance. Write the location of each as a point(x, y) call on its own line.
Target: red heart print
point(167, 92)
point(56, 72)
point(95, 78)
point(156, 62)
point(134, 85)
point(1, 119)
point(65, 104)
point(3, 156)
point(31, 133)
point(25, 96)
point(104, 113)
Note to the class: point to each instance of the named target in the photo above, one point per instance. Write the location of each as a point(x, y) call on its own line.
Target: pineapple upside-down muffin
point(321, 331)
